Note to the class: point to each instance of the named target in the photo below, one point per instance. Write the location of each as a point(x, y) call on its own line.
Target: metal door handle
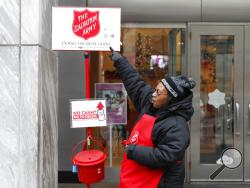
point(237, 132)
point(229, 116)
point(228, 122)
point(249, 119)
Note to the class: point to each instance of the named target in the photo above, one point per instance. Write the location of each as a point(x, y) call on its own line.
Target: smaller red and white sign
point(88, 113)
point(92, 29)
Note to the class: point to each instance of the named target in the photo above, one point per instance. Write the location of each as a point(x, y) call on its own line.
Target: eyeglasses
point(158, 92)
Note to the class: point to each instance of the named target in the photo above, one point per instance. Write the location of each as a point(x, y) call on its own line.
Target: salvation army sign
point(92, 29)
point(88, 113)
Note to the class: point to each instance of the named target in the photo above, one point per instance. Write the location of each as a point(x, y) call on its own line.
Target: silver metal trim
point(237, 112)
point(218, 24)
point(153, 25)
point(248, 120)
point(246, 105)
point(110, 147)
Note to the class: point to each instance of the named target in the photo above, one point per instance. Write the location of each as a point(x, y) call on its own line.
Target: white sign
point(88, 113)
point(92, 29)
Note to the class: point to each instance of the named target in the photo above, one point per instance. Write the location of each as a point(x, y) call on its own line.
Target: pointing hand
point(115, 56)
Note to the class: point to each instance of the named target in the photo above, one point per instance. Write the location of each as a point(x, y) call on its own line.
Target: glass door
point(216, 63)
point(247, 106)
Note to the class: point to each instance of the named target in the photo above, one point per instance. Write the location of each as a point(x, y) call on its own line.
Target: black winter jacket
point(170, 134)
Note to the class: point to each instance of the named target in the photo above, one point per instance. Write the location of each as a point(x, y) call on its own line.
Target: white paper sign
point(92, 29)
point(216, 98)
point(88, 113)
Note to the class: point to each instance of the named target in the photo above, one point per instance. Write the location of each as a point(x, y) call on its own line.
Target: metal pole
point(87, 85)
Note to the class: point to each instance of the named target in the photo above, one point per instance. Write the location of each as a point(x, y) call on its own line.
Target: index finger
point(111, 49)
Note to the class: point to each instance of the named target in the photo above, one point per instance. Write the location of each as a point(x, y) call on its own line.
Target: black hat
point(178, 86)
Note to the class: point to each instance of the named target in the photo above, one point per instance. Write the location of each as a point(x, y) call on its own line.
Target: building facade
point(206, 39)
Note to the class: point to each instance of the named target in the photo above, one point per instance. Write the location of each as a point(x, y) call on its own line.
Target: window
point(154, 52)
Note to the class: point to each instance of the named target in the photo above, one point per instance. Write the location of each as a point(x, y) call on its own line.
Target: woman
point(156, 147)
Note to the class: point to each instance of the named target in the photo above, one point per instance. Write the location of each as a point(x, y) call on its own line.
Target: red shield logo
point(86, 24)
point(134, 139)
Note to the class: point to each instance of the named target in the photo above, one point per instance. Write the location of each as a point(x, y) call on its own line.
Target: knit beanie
point(178, 86)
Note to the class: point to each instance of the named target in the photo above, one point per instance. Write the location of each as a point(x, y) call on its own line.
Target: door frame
point(195, 171)
point(246, 104)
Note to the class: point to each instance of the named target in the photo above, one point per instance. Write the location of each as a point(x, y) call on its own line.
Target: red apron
point(134, 174)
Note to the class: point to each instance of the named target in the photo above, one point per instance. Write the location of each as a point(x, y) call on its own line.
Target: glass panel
point(217, 93)
point(154, 52)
